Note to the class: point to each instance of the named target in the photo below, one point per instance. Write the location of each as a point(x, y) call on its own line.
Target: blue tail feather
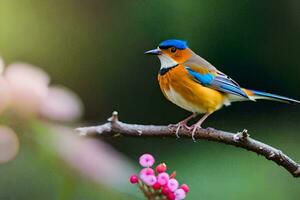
point(274, 97)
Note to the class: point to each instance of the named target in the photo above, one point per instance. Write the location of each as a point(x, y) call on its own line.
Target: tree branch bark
point(241, 139)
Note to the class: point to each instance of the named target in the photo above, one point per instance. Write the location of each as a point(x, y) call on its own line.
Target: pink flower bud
point(171, 196)
point(146, 160)
point(134, 179)
point(173, 184)
point(161, 168)
point(185, 187)
point(163, 178)
point(149, 180)
point(179, 194)
point(165, 190)
point(156, 186)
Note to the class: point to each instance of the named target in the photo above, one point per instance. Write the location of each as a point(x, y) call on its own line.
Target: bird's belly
point(180, 101)
point(193, 97)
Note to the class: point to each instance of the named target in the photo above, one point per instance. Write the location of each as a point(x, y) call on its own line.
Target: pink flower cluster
point(158, 182)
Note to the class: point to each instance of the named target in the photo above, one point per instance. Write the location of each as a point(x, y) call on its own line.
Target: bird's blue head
point(171, 52)
point(179, 44)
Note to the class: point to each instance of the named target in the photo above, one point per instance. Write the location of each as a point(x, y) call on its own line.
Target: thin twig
point(241, 139)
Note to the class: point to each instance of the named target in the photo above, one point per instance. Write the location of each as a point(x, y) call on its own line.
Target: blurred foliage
point(96, 48)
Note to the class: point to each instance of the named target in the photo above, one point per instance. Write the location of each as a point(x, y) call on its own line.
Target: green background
point(96, 48)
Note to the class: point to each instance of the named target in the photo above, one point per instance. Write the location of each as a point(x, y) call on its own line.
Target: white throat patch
point(166, 62)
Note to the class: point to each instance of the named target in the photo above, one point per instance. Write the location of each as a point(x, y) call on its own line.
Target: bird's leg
point(183, 123)
point(198, 125)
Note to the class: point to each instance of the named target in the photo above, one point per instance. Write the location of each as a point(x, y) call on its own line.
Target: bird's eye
point(173, 49)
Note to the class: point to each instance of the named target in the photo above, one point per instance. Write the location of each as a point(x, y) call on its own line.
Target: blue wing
point(218, 81)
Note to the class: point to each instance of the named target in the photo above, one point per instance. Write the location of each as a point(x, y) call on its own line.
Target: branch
point(242, 139)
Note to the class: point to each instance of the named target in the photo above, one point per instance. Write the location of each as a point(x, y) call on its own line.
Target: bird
point(194, 84)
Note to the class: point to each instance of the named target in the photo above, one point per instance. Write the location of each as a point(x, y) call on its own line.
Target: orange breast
point(178, 86)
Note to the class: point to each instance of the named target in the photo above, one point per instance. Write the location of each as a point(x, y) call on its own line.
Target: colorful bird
point(195, 85)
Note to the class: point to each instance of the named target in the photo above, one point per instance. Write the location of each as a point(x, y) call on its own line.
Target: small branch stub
point(114, 117)
point(241, 136)
point(240, 139)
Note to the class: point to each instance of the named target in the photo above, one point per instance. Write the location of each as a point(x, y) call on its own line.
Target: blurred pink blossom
point(61, 104)
point(28, 87)
point(25, 89)
point(9, 144)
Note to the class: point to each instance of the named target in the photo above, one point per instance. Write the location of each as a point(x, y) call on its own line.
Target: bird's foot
point(178, 126)
point(194, 128)
point(182, 123)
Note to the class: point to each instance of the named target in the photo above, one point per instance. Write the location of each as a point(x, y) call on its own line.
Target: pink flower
point(173, 184)
point(146, 172)
point(146, 160)
point(149, 180)
point(179, 194)
point(163, 178)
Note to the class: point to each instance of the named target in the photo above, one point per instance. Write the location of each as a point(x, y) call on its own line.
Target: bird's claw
point(193, 128)
point(177, 131)
point(178, 126)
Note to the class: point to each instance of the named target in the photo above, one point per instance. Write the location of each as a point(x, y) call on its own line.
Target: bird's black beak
point(154, 52)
